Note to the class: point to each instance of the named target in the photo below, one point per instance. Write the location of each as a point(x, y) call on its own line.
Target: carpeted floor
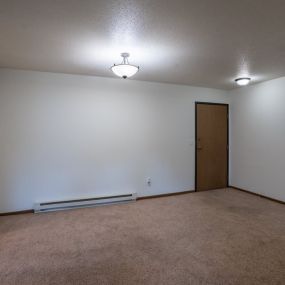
point(214, 237)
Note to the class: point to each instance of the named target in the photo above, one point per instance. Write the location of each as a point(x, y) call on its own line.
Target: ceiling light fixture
point(242, 81)
point(125, 70)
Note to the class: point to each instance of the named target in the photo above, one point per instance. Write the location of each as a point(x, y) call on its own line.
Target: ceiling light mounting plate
point(125, 54)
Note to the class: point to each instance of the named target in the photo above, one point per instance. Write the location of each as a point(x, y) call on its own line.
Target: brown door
point(211, 146)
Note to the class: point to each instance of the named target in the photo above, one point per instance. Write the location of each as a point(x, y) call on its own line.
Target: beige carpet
point(213, 237)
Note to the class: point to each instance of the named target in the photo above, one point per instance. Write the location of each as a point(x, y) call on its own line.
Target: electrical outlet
point(148, 181)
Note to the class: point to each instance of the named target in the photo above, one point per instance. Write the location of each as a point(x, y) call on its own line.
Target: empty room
point(142, 142)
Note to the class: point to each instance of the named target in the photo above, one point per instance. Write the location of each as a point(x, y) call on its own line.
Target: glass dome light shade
point(124, 70)
point(242, 81)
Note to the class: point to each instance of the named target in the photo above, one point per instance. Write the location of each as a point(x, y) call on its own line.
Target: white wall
point(68, 136)
point(258, 138)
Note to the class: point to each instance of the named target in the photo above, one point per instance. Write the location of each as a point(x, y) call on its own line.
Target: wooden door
point(211, 146)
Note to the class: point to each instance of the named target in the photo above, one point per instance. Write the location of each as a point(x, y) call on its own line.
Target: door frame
point(211, 103)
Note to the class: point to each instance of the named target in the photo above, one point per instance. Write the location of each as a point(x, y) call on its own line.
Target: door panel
point(211, 146)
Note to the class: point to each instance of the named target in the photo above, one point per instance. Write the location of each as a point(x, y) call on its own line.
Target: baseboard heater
point(83, 203)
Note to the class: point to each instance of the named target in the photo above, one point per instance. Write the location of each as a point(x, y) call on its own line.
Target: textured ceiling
point(195, 42)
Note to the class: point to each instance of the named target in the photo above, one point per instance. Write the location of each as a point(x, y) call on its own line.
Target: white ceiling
point(195, 42)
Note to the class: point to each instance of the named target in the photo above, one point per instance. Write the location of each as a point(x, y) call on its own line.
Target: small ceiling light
point(242, 81)
point(125, 69)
